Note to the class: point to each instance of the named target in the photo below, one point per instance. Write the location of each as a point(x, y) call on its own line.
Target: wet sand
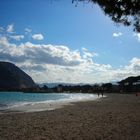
point(115, 117)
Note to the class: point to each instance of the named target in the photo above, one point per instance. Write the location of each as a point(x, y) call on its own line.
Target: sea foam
point(30, 102)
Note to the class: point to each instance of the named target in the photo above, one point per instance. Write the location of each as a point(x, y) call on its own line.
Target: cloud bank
point(58, 63)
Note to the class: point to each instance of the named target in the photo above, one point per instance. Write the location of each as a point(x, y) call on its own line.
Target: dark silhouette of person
point(102, 93)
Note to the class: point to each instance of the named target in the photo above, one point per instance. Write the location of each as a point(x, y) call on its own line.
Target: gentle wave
point(49, 104)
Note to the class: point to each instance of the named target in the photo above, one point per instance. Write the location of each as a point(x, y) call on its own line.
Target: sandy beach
point(115, 117)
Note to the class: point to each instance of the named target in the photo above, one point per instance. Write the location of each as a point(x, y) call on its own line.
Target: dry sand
point(116, 117)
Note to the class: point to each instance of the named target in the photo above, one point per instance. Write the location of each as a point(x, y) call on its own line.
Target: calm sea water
point(14, 99)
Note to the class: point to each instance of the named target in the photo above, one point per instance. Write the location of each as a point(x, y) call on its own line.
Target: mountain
point(131, 80)
point(13, 78)
point(130, 84)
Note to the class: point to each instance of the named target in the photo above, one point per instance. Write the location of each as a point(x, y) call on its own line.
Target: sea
point(31, 102)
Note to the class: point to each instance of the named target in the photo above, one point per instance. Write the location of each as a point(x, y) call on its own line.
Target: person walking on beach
point(102, 93)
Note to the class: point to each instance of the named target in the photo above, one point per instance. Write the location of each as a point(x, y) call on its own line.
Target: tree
point(126, 12)
point(107, 87)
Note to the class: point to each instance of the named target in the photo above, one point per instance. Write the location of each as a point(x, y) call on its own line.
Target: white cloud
point(58, 63)
point(137, 36)
point(132, 69)
point(50, 54)
point(117, 34)
point(87, 54)
point(17, 37)
point(50, 61)
point(10, 28)
point(84, 49)
point(134, 65)
point(4, 42)
point(28, 30)
point(37, 37)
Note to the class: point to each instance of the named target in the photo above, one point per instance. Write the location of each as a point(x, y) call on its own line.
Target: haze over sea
point(28, 102)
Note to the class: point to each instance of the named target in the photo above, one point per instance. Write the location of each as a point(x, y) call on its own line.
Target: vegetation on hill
point(128, 85)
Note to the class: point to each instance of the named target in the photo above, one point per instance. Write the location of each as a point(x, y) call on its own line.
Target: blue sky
point(55, 41)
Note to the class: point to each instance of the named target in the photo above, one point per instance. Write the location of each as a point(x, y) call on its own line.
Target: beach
point(115, 117)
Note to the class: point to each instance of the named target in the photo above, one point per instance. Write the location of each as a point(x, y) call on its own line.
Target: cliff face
point(11, 77)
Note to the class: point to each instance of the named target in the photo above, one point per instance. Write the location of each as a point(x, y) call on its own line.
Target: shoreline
point(48, 105)
point(115, 117)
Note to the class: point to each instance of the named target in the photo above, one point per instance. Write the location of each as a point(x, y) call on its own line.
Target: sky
point(57, 41)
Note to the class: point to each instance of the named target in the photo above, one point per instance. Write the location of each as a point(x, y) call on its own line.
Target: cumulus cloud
point(134, 65)
point(50, 54)
point(117, 34)
point(58, 63)
point(17, 37)
point(137, 36)
point(132, 69)
point(10, 28)
point(55, 63)
point(37, 37)
point(88, 56)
